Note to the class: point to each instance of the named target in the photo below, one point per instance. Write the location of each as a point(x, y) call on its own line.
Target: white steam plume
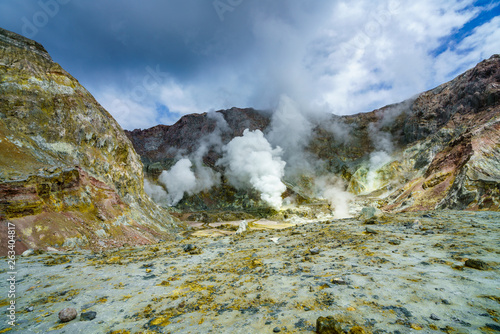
point(189, 175)
point(251, 161)
point(181, 179)
point(340, 130)
point(382, 141)
point(156, 192)
point(332, 189)
point(291, 131)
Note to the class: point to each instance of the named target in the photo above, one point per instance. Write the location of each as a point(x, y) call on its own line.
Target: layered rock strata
point(68, 173)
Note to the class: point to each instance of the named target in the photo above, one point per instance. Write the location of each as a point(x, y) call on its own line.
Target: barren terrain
point(401, 273)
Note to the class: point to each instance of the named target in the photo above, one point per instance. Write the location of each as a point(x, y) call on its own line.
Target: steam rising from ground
point(382, 142)
point(156, 192)
point(332, 189)
point(179, 179)
point(189, 175)
point(291, 131)
point(183, 178)
point(251, 161)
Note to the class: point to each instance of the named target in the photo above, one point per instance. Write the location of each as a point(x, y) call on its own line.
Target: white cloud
point(178, 99)
point(129, 113)
point(383, 52)
point(483, 42)
point(344, 57)
point(135, 106)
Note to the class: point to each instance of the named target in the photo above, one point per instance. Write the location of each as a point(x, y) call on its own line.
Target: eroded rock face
point(66, 166)
point(160, 145)
point(457, 165)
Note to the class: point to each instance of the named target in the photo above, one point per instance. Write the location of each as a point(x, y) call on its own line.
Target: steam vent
point(244, 220)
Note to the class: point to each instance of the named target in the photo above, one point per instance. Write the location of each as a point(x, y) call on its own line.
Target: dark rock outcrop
point(160, 145)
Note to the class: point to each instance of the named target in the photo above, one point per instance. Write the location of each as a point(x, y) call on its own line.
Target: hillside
point(69, 176)
point(437, 150)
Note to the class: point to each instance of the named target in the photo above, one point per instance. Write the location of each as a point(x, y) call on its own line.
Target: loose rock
point(357, 330)
point(338, 280)
point(275, 240)
point(188, 247)
point(87, 316)
point(328, 325)
point(67, 314)
point(28, 252)
point(416, 225)
point(192, 249)
point(476, 264)
point(370, 212)
point(314, 251)
point(493, 326)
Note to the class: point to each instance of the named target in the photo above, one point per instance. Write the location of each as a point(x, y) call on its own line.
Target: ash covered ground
point(427, 272)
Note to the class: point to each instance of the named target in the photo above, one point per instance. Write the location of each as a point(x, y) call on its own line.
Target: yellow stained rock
point(415, 327)
point(357, 330)
point(161, 321)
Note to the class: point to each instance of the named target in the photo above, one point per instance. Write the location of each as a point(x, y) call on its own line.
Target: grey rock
point(338, 280)
point(417, 225)
point(276, 330)
point(369, 212)
point(28, 252)
point(314, 251)
point(493, 326)
point(434, 317)
point(188, 247)
point(87, 316)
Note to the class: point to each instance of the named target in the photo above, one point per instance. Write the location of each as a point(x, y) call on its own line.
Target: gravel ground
point(425, 272)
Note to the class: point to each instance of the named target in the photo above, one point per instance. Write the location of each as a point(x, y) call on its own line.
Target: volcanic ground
point(422, 272)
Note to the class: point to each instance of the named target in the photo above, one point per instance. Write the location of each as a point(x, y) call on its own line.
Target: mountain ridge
point(417, 133)
point(69, 176)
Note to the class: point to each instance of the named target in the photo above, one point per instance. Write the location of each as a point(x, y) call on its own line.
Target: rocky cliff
point(160, 145)
point(439, 149)
point(69, 175)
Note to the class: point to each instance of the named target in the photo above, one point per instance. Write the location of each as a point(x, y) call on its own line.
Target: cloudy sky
point(150, 62)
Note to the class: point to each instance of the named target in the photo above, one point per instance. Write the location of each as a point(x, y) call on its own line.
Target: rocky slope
point(68, 173)
point(437, 150)
point(159, 146)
